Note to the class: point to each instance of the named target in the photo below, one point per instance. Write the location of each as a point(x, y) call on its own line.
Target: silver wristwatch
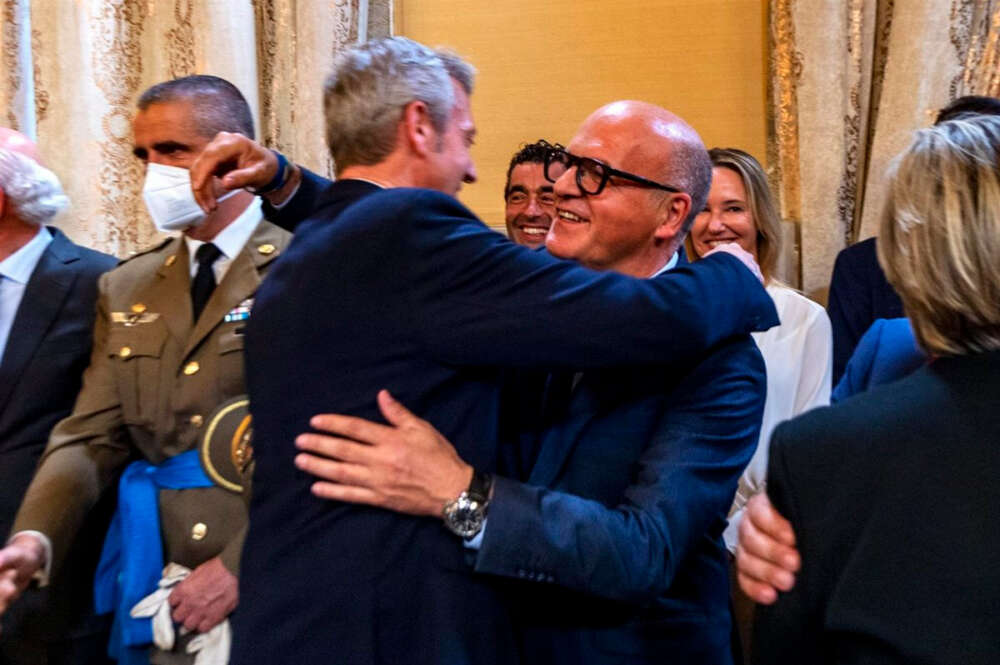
point(465, 515)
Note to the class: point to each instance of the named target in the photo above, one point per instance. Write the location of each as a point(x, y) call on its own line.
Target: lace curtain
point(849, 81)
point(74, 69)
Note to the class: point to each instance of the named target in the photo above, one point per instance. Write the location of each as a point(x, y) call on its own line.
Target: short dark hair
point(529, 153)
point(219, 104)
point(970, 104)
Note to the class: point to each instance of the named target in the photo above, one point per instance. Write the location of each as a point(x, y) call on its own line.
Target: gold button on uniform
point(125, 351)
point(196, 420)
point(192, 368)
point(138, 308)
point(266, 249)
point(170, 260)
point(198, 531)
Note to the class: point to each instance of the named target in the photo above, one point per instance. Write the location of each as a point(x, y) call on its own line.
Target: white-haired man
point(48, 287)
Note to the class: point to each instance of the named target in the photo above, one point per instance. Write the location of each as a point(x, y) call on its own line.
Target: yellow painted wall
point(544, 65)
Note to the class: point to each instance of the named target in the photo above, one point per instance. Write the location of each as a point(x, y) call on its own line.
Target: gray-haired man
point(48, 287)
point(408, 290)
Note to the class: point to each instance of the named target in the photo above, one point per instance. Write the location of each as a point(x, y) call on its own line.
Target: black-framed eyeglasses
point(591, 175)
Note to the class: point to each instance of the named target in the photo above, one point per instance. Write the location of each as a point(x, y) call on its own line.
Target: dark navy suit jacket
point(48, 348)
point(409, 291)
point(859, 294)
point(617, 532)
point(887, 352)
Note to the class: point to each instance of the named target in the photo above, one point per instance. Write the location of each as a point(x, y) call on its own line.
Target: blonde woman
point(893, 497)
point(798, 354)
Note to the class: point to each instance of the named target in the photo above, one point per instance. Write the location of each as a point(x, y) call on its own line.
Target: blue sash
point(132, 560)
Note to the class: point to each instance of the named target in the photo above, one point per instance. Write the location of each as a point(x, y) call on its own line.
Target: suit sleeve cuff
point(291, 195)
point(42, 576)
point(476, 541)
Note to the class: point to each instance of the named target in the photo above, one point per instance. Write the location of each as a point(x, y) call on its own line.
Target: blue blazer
point(887, 352)
point(859, 294)
point(40, 374)
point(409, 291)
point(617, 533)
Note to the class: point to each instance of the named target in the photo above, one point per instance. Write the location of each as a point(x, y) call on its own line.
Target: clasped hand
point(406, 466)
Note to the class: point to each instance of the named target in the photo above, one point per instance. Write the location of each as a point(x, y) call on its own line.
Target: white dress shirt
point(798, 357)
point(229, 240)
point(15, 271)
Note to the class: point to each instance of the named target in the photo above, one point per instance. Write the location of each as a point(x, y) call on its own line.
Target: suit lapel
point(173, 278)
point(240, 282)
point(561, 437)
point(44, 295)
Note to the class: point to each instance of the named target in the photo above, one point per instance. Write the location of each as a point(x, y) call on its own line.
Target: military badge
point(134, 318)
point(241, 312)
point(225, 448)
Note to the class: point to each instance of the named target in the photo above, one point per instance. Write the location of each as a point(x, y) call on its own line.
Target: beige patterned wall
point(849, 82)
point(74, 70)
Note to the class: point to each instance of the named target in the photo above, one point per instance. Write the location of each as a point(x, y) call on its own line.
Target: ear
point(672, 213)
point(418, 130)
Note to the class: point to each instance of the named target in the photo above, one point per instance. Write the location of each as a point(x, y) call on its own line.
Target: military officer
point(168, 349)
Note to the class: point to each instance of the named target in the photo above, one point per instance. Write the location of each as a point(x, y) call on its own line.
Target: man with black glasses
point(615, 533)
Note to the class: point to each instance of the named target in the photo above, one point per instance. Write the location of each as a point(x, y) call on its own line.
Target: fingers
point(347, 494)
point(344, 450)
point(334, 471)
point(256, 174)
point(237, 160)
point(350, 427)
point(208, 623)
point(764, 571)
point(187, 611)
point(766, 519)
point(759, 592)
point(9, 590)
point(394, 412)
point(761, 545)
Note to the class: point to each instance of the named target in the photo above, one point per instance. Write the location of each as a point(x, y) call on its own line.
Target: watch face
point(465, 516)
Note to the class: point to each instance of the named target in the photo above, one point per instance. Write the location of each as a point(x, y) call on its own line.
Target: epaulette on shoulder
point(152, 248)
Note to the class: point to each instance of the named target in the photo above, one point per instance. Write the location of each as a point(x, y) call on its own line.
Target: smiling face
point(530, 205)
point(726, 217)
point(626, 227)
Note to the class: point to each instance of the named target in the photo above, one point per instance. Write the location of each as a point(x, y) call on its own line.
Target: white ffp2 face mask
point(169, 199)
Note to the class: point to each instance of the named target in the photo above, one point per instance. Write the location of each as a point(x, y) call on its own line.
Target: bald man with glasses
point(613, 537)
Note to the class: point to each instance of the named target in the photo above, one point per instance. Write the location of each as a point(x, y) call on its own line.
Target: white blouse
point(798, 357)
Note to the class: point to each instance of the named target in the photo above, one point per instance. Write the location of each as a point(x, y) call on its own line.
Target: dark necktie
point(204, 279)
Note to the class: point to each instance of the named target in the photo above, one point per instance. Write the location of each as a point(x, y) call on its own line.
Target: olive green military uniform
point(154, 378)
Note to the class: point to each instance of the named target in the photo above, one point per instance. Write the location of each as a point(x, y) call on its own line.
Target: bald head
point(659, 179)
point(31, 194)
point(15, 141)
point(653, 136)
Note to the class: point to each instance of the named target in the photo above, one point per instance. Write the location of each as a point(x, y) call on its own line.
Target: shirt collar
point(231, 239)
point(670, 264)
point(18, 266)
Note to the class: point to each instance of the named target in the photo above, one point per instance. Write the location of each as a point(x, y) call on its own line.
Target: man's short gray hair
point(690, 170)
point(33, 193)
point(370, 85)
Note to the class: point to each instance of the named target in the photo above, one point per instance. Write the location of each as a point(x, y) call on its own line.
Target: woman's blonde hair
point(939, 238)
point(760, 201)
